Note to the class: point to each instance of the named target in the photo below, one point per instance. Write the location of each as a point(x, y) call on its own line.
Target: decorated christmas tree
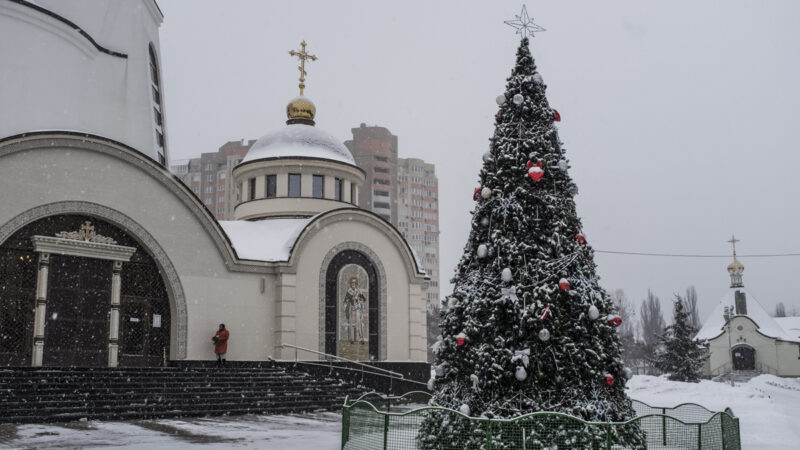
point(528, 327)
point(681, 356)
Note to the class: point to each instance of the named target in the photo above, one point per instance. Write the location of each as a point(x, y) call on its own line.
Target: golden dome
point(735, 265)
point(301, 108)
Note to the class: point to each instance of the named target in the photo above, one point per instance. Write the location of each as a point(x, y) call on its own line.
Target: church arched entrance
point(744, 357)
point(352, 307)
point(76, 299)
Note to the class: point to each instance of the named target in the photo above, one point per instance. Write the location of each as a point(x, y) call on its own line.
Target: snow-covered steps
point(62, 394)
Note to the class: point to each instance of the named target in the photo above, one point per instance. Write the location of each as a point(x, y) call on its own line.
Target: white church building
point(107, 259)
point(742, 336)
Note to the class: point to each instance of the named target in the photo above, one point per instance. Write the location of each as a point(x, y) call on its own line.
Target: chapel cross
point(303, 56)
point(734, 241)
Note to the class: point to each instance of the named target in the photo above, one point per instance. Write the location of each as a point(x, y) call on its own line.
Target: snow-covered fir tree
point(527, 328)
point(679, 355)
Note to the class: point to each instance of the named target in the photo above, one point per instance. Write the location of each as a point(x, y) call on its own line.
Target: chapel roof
point(767, 325)
point(299, 140)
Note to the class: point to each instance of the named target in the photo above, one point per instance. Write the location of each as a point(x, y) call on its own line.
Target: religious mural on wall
point(353, 322)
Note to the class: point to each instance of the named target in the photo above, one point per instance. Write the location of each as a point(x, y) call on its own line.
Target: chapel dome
point(299, 140)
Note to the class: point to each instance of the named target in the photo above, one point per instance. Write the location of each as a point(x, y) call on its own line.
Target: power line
point(674, 255)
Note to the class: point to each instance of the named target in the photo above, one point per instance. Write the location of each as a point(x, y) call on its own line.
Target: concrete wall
point(405, 309)
point(56, 79)
point(64, 172)
point(780, 357)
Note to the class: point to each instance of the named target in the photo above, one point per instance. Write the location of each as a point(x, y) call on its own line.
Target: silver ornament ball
point(501, 100)
point(518, 99)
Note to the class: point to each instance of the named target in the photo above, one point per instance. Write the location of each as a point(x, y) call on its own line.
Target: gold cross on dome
point(733, 241)
point(303, 56)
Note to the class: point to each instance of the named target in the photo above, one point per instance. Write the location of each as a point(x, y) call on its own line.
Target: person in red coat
point(220, 340)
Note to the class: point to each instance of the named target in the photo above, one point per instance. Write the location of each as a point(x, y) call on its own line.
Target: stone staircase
point(739, 376)
point(65, 394)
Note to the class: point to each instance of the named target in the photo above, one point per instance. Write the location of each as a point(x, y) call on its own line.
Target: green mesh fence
point(377, 422)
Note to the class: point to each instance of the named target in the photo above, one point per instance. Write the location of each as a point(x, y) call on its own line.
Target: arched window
point(155, 84)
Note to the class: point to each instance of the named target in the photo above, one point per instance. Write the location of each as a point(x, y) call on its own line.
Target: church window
point(353, 199)
point(251, 185)
point(318, 186)
point(294, 185)
point(272, 186)
point(155, 84)
point(338, 184)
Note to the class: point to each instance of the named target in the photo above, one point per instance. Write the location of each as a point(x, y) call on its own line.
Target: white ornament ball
point(518, 99)
point(537, 78)
point(430, 384)
point(506, 274)
point(501, 100)
point(594, 313)
point(485, 221)
point(544, 335)
point(562, 165)
point(464, 409)
point(486, 192)
point(521, 374)
point(486, 156)
point(483, 250)
point(628, 373)
point(451, 302)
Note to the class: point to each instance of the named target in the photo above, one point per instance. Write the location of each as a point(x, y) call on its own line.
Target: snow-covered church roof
point(767, 325)
point(299, 140)
point(264, 240)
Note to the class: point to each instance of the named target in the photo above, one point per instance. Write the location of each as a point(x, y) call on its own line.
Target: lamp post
point(727, 316)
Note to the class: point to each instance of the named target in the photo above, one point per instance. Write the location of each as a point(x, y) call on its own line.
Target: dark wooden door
point(744, 358)
point(78, 306)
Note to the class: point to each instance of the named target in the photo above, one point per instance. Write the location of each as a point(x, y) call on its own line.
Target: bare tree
point(690, 307)
point(651, 322)
point(780, 310)
point(626, 331)
point(793, 311)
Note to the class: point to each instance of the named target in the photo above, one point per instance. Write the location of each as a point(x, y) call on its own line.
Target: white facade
point(82, 66)
point(273, 282)
point(742, 336)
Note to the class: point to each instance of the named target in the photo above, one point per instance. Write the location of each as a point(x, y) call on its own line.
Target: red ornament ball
point(563, 284)
point(535, 171)
point(461, 339)
point(476, 195)
point(556, 116)
point(615, 321)
point(609, 380)
point(580, 237)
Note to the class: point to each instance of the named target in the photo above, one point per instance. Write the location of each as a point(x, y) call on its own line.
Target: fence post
point(664, 426)
point(488, 435)
point(385, 431)
point(608, 437)
point(699, 436)
point(345, 425)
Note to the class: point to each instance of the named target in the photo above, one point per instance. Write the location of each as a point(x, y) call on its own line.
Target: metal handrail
point(328, 355)
point(354, 369)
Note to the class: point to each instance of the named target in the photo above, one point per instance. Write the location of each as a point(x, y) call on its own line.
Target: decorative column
point(285, 316)
point(113, 332)
point(41, 310)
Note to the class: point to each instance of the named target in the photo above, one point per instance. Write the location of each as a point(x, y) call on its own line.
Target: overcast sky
point(680, 118)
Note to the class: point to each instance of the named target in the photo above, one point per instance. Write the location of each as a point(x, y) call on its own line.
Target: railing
point(764, 368)
point(721, 370)
point(370, 369)
point(366, 425)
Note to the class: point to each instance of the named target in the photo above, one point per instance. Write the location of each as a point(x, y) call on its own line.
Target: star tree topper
point(524, 24)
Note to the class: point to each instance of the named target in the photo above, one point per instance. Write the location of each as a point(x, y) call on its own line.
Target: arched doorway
point(744, 357)
point(352, 313)
point(76, 322)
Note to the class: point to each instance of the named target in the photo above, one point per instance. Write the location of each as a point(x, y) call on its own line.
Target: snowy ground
point(768, 409)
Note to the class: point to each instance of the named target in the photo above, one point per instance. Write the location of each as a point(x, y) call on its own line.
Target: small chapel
point(109, 260)
point(743, 337)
